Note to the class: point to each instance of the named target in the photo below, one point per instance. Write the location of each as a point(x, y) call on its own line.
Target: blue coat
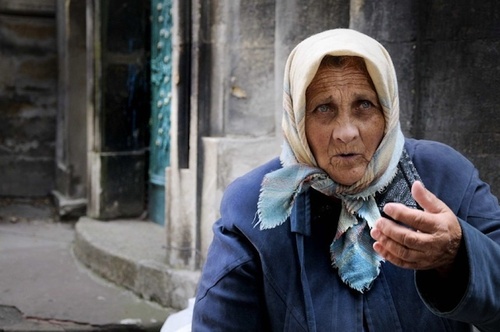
point(282, 280)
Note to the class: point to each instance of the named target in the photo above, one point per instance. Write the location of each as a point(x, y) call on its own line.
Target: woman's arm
point(471, 292)
point(230, 294)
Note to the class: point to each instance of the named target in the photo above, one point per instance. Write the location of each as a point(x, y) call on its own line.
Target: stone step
point(132, 254)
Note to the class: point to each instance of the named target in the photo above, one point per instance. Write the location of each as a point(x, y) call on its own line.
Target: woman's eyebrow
point(320, 100)
point(365, 95)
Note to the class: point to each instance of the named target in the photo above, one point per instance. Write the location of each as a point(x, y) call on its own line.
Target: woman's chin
point(347, 177)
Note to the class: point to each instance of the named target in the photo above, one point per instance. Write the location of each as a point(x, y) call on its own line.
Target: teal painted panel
point(161, 97)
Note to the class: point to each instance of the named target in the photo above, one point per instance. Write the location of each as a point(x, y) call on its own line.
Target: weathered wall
point(28, 103)
point(459, 80)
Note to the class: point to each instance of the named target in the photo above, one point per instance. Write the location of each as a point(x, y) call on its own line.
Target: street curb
point(131, 253)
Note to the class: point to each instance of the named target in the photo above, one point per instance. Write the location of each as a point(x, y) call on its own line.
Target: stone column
point(71, 144)
point(181, 206)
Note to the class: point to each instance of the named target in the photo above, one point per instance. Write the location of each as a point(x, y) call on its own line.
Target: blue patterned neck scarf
point(351, 250)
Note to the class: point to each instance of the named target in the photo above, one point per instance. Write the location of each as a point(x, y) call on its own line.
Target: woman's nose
point(345, 130)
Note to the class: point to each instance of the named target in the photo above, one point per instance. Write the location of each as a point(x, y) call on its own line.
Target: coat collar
point(300, 218)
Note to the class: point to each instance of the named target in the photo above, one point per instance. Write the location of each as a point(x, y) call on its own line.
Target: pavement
point(84, 275)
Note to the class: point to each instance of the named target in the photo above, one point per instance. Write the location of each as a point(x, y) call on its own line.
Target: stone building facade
point(75, 100)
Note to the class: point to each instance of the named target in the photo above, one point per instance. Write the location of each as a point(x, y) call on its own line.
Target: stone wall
point(28, 101)
point(459, 80)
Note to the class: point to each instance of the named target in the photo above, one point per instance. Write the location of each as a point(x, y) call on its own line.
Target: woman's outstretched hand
point(430, 240)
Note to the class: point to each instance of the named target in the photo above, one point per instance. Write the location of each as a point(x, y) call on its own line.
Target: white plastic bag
point(180, 321)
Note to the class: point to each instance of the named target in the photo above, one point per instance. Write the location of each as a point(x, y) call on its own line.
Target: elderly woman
point(354, 228)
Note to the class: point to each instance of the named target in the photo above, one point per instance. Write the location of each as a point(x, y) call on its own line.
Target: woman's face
point(344, 122)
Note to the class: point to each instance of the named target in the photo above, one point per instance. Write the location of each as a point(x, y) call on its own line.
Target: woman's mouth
point(345, 159)
point(347, 155)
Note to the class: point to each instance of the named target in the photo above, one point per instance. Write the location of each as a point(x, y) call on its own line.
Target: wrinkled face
point(344, 121)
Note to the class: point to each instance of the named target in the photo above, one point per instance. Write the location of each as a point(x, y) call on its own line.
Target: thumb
point(427, 200)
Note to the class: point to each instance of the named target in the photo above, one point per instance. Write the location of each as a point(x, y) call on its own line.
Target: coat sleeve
point(472, 293)
point(229, 296)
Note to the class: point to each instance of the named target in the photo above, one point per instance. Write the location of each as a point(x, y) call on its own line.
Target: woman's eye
point(365, 104)
point(322, 108)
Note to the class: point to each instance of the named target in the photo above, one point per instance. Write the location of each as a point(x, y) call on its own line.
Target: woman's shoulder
point(426, 153)
point(248, 185)
point(443, 170)
point(239, 202)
